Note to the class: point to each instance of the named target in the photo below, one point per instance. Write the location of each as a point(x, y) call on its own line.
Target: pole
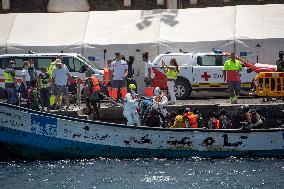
point(105, 56)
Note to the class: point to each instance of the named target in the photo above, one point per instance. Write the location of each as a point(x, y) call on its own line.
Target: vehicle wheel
point(183, 89)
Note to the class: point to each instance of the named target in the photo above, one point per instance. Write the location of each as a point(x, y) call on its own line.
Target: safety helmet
point(132, 86)
point(157, 91)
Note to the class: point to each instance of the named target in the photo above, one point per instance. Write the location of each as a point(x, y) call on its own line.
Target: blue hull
point(42, 147)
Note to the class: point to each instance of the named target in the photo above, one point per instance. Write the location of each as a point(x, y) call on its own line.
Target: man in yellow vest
point(10, 82)
point(232, 68)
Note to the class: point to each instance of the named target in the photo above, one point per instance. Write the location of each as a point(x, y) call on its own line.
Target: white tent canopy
point(128, 31)
point(47, 32)
point(260, 32)
point(197, 30)
point(6, 21)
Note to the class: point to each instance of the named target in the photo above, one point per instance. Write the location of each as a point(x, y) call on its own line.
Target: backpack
point(33, 74)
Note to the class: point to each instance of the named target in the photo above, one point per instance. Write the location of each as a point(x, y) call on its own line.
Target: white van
point(198, 71)
point(73, 61)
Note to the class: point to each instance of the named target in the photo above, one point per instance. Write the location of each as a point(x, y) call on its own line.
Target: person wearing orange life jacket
point(92, 91)
point(107, 79)
point(191, 119)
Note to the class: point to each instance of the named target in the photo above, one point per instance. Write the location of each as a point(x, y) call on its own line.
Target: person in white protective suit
point(160, 101)
point(130, 107)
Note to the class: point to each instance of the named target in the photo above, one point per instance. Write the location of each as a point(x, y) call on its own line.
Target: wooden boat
point(38, 135)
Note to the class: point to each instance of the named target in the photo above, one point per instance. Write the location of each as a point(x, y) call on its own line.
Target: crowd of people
point(38, 91)
point(49, 89)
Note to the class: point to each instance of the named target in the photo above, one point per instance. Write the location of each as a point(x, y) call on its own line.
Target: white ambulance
point(198, 71)
point(75, 62)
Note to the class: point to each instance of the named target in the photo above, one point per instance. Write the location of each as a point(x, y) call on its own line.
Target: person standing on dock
point(171, 73)
point(44, 82)
point(107, 79)
point(148, 74)
point(280, 62)
point(119, 71)
point(59, 83)
point(10, 82)
point(232, 68)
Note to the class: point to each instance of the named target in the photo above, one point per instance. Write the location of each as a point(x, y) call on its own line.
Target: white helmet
point(157, 91)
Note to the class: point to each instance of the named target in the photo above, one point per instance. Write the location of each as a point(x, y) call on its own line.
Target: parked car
point(75, 62)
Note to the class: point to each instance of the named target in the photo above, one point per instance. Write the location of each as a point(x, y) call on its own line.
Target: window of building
point(193, 2)
point(160, 2)
point(226, 1)
point(127, 3)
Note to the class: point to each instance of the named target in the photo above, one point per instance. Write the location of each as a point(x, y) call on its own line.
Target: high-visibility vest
point(95, 84)
point(171, 74)
point(44, 80)
point(106, 77)
point(192, 119)
point(51, 68)
point(8, 77)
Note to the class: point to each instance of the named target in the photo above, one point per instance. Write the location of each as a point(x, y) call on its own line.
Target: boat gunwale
point(100, 123)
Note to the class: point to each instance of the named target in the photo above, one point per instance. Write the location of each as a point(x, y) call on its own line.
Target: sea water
point(144, 173)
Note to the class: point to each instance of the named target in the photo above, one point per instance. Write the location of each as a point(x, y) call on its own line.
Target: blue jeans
point(11, 95)
point(234, 87)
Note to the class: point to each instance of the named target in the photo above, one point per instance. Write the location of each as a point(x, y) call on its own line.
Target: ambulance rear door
point(208, 72)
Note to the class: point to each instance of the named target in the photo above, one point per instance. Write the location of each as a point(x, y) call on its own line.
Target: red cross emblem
point(205, 76)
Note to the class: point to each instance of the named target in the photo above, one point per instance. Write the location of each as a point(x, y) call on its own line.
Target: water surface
point(144, 173)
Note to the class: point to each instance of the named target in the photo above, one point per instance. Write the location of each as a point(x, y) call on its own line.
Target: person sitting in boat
point(33, 102)
point(130, 107)
point(92, 91)
point(191, 119)
point(160, 102)
point(199, 118)
point(225, 120)
point(179, 119)
point(213, 122)
point(253, 119)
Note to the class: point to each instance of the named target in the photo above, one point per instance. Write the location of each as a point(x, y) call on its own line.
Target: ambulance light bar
point(217, 51)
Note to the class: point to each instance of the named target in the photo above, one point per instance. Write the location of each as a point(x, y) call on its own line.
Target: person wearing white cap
point(59, 83)
point(160, 101)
